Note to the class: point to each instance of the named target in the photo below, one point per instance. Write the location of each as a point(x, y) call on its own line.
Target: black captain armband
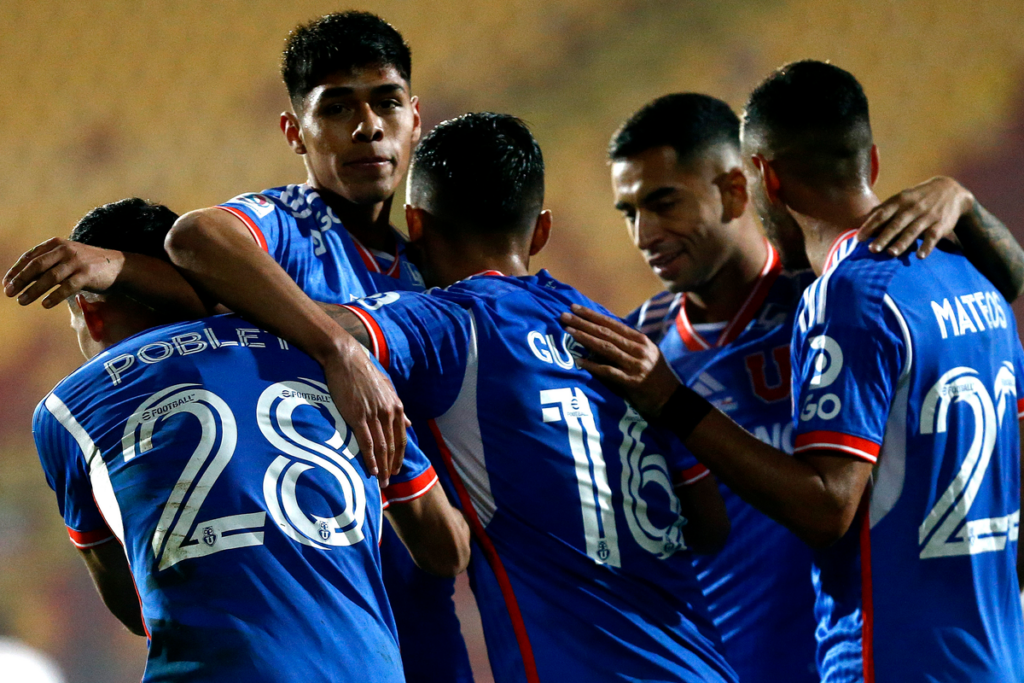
point(683, 411)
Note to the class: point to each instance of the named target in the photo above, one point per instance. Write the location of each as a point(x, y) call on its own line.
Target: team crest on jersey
point(209, 536)
point(257, 202)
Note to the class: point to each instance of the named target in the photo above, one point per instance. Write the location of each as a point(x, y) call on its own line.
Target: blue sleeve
point(65, 470)
point(264, 218)
point(415, 477)
point(848, 355)
point(423, 341)
point(683, 466)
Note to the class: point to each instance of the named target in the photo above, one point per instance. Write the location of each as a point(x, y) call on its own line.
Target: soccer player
point(245, 524)
point(724, 324)
point(354, 122)
point(581, 548)
point(906, 378)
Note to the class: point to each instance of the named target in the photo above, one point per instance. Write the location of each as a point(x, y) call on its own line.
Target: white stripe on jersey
point(102, 489)
point(892, 458)
point(460, 428)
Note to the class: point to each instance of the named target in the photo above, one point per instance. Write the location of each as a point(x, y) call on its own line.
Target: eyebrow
point(655, 195)
point(344, 90)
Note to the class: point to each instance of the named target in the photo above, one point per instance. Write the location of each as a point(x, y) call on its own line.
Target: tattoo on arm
point(993, 250)
point(348, 322)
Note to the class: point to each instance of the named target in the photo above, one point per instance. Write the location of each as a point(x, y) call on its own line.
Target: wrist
point(683, 411)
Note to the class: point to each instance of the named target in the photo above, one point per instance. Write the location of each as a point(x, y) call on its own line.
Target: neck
point(721, 297)
point(823, 221)
point(368, 223)
point(453, 262)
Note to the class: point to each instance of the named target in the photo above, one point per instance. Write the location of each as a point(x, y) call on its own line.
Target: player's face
point(358, 129)
point(674, 214)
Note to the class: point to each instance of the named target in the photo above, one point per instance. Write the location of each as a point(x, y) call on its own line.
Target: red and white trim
point(765, 279)
point(377, 339)
point(691, 475)
point(491, 554)
point(837, 441)
point(1020, 408)
point(834, 255)
point(370, 261)
point(90, 539)
point(250, 225)
point(493, 273)
point(403, 492)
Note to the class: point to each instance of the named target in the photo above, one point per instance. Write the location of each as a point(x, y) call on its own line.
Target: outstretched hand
point(63, 266)
point(623, 358)
point(930, 211)
point(369, 405)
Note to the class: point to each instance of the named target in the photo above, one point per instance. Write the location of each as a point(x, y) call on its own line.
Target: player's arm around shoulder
point(112, 576)
point(435, 532)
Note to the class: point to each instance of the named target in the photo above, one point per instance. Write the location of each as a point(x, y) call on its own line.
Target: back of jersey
point(916, 365)
point(581, 571)
point(216, 457)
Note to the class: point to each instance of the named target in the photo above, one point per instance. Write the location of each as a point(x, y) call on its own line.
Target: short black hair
point(480, 172)
point(341, 41)
point(133, 225)
point(690, 123)
point(815, 113)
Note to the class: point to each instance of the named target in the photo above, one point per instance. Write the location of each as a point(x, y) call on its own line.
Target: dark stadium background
point(178, 102)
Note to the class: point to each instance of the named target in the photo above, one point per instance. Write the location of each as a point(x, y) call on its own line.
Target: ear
point(292, 132)
point(417, 122)
point(733, 186)
point(769, 177)
point(92, 313)
point(414, 222)
point(874, 164)
point(541, 232)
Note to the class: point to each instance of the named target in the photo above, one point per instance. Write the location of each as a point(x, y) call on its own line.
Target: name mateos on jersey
point(969, 313)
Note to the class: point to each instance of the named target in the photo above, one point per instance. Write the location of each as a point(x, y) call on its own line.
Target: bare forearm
point(113, 580)
point(223, 262)
point(159, 285)
point(348, 321)
point(993, 250)
point(789, 490)
point(435, 533)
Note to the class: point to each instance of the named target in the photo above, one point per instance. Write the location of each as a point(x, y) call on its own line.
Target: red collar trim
point(497, 273)
point(833, 251)
point(765, 279)
point(370, 261)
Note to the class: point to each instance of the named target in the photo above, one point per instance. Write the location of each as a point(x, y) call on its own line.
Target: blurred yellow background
point(178, 102)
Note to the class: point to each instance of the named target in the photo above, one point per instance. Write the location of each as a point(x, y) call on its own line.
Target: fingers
point(605, 333)
point(903, 216)
point(928, 242)
point(23, 261)
point(909, 234)
point(401, 438)
point(365, 440)
point(30, 273)
point(602, 320)
point(59, 274)
point(381, 456)
point(605, 373)
point(878, 217)
point(604, 348)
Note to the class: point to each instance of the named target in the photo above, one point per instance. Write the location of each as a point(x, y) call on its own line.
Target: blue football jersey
point(915, 366)
point(579, 560)
point(213, 453)
point(297, 228)
point(758, 586)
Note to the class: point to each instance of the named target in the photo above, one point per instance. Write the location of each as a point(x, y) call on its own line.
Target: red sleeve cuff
point(1020, 408)
point(405, 491)
point(837, 441)
point(88, 539)
point(690, 475)
point(250, 225)
point(378, 342)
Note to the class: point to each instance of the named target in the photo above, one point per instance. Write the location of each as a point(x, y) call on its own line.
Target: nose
point(646, 229)
point(369, 126)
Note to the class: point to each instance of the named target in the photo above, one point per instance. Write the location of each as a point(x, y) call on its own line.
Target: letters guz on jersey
point(218, 460)
point(758, 586)
point(296, 227)
point(580, 566)
point(915, 366)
